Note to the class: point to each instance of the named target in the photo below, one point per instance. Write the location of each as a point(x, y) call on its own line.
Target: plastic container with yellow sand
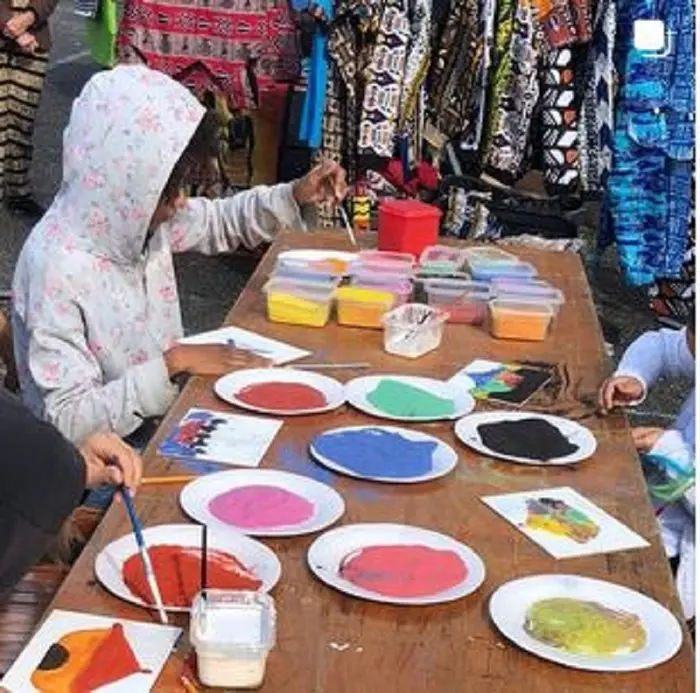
point(358, 307)
point(527, 321)
point(299, 303)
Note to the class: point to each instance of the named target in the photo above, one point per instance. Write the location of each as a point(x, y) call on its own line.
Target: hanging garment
point(21, 83)
point(231, 46)
point(649, 188)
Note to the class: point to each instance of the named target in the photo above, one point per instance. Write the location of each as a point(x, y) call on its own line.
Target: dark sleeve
point(42, 9)
point(42, 479)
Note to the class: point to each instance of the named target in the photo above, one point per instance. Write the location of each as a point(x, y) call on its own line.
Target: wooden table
point(448, 648)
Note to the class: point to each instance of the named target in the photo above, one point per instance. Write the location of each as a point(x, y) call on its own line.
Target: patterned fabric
point(650, 184)
point(213, 45)
point(565, 22)
point(559, 123)
point(596, 115)
point(515, 91)
point(21, 84)
point(95, 301)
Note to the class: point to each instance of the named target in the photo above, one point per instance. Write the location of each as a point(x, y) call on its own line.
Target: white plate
point(444, 457)
point(317, 255)
point(254, 556)
point(227, 387)
point(465, 429)
point(197, 495)
point(510, 602)
point(358, 389)
point(326, 555)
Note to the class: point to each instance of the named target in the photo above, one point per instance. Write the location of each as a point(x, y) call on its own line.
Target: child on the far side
point(667, 453)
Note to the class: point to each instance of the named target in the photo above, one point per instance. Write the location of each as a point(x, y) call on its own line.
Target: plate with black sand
point(527, 437)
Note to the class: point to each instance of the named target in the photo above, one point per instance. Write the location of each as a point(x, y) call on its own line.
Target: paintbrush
point(147, 565)
point(174, 479)
point(346, 223)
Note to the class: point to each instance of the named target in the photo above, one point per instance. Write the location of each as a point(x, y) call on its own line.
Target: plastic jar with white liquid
point(232, 632)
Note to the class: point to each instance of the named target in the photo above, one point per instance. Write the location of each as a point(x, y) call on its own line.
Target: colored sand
point(558, 518)
point(378, 453)
point(282, 396)
point(533, 439)
point(403, 570)
point(85, 660)
point(399, 399)
point(584, 628)
point(261, 506)
point(178, 574)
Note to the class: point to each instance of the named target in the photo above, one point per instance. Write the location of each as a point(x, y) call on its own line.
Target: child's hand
point(646, 437)
point(210, 359)
point(27, 42)
point(325, 182)
point(619, 391)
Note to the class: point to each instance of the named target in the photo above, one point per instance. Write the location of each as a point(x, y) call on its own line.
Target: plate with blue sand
point(384, 453)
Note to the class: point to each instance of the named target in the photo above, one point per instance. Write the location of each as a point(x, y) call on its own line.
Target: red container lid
point(410, 209)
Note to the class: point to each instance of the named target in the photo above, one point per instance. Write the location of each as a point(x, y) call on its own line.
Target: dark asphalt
point(209, 285)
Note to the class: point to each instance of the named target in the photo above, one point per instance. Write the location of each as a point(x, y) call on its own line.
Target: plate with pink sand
point(262, 502)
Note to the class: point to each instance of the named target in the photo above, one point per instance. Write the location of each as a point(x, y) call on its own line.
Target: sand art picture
point(78, 653)
point(564, 523)
point(212, 436)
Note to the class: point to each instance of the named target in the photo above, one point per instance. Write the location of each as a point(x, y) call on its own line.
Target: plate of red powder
point(396, 564)
point(234, 561)
point(262, 502)
point(281, 391)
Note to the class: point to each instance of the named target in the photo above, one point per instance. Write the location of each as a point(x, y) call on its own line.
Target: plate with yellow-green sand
point(408, 398)
point(584, 623)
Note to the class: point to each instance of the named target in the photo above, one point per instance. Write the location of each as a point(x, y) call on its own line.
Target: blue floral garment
point(650, 186)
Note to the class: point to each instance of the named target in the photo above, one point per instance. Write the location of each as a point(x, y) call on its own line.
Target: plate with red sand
point(262, 502)
point(281, 391)
point(235, 561)
point(396, 564)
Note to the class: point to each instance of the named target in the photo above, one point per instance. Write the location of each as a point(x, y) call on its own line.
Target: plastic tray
point(298, 302)
point(465, 301)
point(527, 321)
point(358, 307)
point(488, 271)
point(442, 257)
point(535, 290)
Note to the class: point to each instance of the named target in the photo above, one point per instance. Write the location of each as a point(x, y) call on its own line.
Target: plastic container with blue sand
point(488, 271)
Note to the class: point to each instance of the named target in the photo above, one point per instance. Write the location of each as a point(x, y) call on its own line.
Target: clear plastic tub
point(399, 285)
point(527, 321)
point(465, 302)
point(488, 271)
point(442, 257)
point(358, 307)
point(298, 302)
point(304, 270)
point(413, 330)
point(488, 253)
point(232, 632)
point(535, 290)
point(386, 260)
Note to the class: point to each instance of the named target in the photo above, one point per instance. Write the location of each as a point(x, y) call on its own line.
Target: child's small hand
point(210, 359)
point(646, 437)
point(619, 391)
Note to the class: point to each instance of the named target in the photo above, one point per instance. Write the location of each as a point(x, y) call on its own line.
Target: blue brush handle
point(129, 504)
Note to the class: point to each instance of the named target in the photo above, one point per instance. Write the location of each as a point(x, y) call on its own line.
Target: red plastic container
point(408, 226)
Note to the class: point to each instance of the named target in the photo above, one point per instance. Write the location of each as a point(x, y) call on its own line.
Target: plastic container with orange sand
point(298, 302)
point(465, 302)
point(535, 290)
point(232, 633)
point(526, 321)
point(358, 307)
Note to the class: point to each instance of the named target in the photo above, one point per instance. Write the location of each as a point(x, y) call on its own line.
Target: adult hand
point(619, 391)
point(646, 437)
point(210, 359)
point(109, 460)
point(27, 42)
point(325, 182)
point(19, 24)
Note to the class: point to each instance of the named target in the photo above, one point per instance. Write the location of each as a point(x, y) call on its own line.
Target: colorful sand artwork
point(259, 506)
point(212, 436)
point(584, 627)
point(373, 452)
point(564, 523)
point(282, 396)
point(509, 383)
point(178, 573)
point(403, 570)
point(78, 653)
point(395, 398)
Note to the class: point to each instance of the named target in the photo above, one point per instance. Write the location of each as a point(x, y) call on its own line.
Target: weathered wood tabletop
point(451, 648)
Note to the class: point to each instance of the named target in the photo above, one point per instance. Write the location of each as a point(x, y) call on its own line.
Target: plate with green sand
point(408, 398)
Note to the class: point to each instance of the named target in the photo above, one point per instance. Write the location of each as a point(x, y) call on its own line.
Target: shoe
point(25, 205)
